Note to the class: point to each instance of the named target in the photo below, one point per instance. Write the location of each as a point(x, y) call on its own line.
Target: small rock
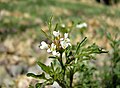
point(32, 61)
point(15, 70)
point(23, 81)
point(8, 82)
point(3, 48)
point(34, 69)
point(3, 73)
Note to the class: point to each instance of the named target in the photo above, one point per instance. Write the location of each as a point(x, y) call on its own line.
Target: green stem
point(62, 65)
point(60, 60)
point(71, 78)
point(62, 84)
point(63, 69)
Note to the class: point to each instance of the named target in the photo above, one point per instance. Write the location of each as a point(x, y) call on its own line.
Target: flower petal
point(56, 33)
point(66, 35)
point(49, 50)
point(44, 45)
point(56, 53)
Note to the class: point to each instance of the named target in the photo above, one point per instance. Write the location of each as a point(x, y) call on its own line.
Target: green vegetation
point(76, 60)
point(21, 22)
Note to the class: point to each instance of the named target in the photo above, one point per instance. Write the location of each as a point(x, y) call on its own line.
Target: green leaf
point(56, 26)
point(41, 76)
point(95, 49)
point(42, 85)
point(80, 44)
point(109, 36)
point(58, 70)
point(44, 67)
point(52, 57)
point(50, 24)
point(49, 81)
point(45, 34)
point(52, 66)
point(30, 86)
point(39, 85)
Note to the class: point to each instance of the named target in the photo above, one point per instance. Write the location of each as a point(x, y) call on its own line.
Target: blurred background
point(20, 35)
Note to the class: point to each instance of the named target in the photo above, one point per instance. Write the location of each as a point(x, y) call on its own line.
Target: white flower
point(65, 38)
point(66, 35)
point(65, 42)
point(44, 45)
point(56, 53)
point(63, 25)
point(52, 48)
point(49, 50)
point(81, 25)
point(56, 33)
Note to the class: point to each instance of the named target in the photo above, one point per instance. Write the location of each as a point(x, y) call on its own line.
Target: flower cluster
point(57, 44)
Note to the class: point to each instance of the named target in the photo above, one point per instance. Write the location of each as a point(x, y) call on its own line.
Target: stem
point(63, 68)
point(61, 84)
point(62, 65)
point(79, 45)
point(114, 76)
point(71, 78)
point(60, 60)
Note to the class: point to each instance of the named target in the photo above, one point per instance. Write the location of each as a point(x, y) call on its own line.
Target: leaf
point(45, 34)
point(50, 24)
point(42, 85)
point(52, 57)
point(58, 70)
point(30, 86)
point(52, 66)
point(49, 81)
point(109, 36)
point(39, 85)
point(79, 45)
point(95, 49)
point(102, 51)
point(56, 26)
point(41, 76)
point(44, 67)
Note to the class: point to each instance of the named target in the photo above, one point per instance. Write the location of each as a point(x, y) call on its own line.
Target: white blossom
point(65, 38)
point(52, 48)
point(56, 33)
point(66, 35)
point(65, 42)
point(81, 25)
point(63, 25)
point(49, 51)
point(56, 53)
point(44, 45)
